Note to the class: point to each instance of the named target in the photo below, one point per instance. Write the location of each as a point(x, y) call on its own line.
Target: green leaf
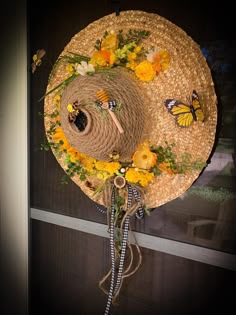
point(63, 83)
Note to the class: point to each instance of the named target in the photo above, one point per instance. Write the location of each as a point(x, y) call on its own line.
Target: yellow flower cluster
point(143, 160)
point(103, 58)
point(60, 139)
point(110, 42)
point(87, 162)
point(63, 145)
point(109, 167)
point(136, 176)
point(161, 61)
point(114, 50)
point(111, 53)
point(105, 170)
point(101, 169)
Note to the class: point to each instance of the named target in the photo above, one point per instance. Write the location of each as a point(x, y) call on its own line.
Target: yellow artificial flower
point(57, 102)
point(131, 65)
point(143, 158)
point(122, 53)
point(138, 49)
point(88, 162)
point(166, 168)
point(132, 175)
point(57, 98)
point(144, 71)
point(110, 42)
point(70, 69)
point(112, 58)
point(113, 167)
point(102, 58)
point(60, 136)
point(109, 167)
point(139, 177)
point(100, 165)
point(131, 56)
point(103, 175)
point(161, 61)
point(74, 154)
point(146, 178)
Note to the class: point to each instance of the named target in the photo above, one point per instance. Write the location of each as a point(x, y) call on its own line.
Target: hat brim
point(188, 70)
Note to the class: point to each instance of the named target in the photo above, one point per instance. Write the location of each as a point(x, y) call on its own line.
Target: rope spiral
point(100, 138)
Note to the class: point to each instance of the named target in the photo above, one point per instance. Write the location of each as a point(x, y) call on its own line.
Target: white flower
point(151, 54)
point(84, 68)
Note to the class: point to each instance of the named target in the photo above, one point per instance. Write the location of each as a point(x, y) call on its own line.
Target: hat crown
point(99, 136)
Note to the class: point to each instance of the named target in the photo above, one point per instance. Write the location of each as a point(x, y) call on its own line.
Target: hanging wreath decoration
point(130, 115)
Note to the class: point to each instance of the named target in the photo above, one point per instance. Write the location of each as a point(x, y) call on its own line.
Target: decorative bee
point(102, 96)
point(37, 59)
point(114, 156)
point(73, 111)
point(103, 101)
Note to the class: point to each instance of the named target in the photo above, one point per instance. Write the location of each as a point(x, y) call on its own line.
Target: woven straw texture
point(188, 70)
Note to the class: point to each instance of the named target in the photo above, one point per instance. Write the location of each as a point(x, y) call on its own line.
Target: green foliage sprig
point(166, 155)
point(134, 36)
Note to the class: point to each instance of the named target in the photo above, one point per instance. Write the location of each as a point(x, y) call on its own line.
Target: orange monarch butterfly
point(185, 114)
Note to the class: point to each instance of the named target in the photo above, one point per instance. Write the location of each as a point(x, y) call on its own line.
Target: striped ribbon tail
point(117, 277)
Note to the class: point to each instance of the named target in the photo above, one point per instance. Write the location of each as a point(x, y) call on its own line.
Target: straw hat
point(142, 107)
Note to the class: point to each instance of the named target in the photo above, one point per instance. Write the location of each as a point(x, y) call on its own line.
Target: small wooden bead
point(119, 181)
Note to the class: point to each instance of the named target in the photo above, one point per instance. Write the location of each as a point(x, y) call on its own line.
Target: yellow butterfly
point(37, 59)
point(185, 114)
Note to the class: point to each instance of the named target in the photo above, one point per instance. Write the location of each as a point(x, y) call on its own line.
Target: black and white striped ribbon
point(139, 213)
point(115, 287)
point(103, 211)
point(112, 248)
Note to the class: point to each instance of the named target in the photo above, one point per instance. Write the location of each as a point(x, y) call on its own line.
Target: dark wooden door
point(66, 265)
